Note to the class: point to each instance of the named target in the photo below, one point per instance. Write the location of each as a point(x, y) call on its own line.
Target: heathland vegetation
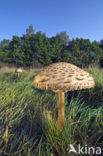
point(28, 115)
point(35, 47)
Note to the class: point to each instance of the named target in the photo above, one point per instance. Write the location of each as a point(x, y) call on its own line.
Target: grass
point(28, 116)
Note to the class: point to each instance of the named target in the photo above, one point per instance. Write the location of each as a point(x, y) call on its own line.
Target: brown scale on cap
point(60, 78)
point(63, 74)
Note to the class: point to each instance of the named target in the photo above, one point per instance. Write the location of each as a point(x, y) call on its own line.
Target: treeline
point(32, 48)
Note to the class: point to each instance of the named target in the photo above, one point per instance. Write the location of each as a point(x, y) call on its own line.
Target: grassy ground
point(28, 116)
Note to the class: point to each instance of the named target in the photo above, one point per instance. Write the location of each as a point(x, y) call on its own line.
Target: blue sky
point(79, 18)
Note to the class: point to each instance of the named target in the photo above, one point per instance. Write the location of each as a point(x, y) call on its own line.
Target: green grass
point(28, 116)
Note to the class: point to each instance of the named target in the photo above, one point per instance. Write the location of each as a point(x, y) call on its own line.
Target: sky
point(79, 18)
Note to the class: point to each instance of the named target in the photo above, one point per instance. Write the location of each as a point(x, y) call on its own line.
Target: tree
point(63, 37)
point(30, 30)
point(80, 52)
point(4, 56)
point(56, 49)
point(101, 43)
point(66, 56)
point(96, 52)
point(15, 53)
point(42, 48)
point(29, 57)
point(4, 44)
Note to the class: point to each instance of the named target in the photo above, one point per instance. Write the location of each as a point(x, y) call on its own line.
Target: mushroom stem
point(60, 119)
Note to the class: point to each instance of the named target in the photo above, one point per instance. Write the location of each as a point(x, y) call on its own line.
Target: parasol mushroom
point(18, 71)
point(60, 78)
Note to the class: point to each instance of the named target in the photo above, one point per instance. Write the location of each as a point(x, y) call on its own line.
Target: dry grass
point(7, 70)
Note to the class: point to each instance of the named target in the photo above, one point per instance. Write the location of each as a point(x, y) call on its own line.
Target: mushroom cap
point(63, 77)
point(19, 70)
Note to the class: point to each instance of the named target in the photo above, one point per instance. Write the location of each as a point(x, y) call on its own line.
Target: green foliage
point(4, 44)
point(15, 54)
point(4, 56)
point(63, 37)
point(83, 52)
point(30, 30)
point(42, 47)
point(31, 48)
point(27, 50)
point(56, 48)
point(96, 52)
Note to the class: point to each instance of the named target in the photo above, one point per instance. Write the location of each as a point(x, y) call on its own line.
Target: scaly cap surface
point(63, 77)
